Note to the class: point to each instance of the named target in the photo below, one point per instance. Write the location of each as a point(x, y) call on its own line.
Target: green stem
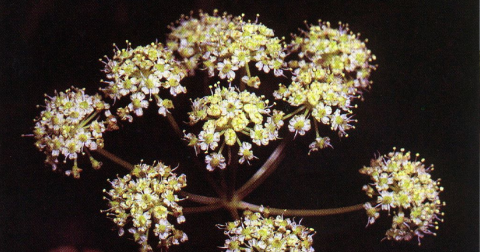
point(202, 209)
point(212, 204)
point(247, 69)
point(86, 121)
point(268, 167)
point(298, 110)
point(216, 203)
point(221, 148)
point(199, 198)
point(316, 128)
point(115, 159)
point(233, 167)
point(302, 212)
point(306, 112)
point(245, 132)
point(174, 125)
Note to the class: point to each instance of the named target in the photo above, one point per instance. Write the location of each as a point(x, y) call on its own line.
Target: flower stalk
point(112, 157)
point(270, 165)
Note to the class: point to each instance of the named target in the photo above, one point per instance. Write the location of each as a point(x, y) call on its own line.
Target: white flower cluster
point(330, 71)
point(257, 232)
point(147, 197)
point(140, 73)
point(408, 188)
point(225, 44)
point(228, 114)
point(69, 125)
point(328, 53)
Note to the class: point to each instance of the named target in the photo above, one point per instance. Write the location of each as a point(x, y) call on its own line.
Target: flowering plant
point(319, 75)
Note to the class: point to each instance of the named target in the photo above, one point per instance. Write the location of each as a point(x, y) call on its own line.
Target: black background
point(424, 98)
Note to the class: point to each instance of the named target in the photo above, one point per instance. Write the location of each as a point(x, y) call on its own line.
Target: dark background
point(424, 98)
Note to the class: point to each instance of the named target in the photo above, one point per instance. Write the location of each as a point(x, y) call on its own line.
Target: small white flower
point(277, 116)
point(173, 82)
point(150, 85)
point(372, 213)
point(271, 129)
point(180, 219)
point(340, 122)
point(278, 72)
point(162, 109)
point(321, 113)
point(138, 103)
point(208, 139)
point(299, 124)
point(215, 160)
point(192, 141)
point(226, 70)
point(163, 229)
point(384, 181)
point(259, 135)
point(127, 86)
point(245, 153)
point(231, 107)
point(320, 143)
point(386, 200)
point(162, 70)
point(262, 66)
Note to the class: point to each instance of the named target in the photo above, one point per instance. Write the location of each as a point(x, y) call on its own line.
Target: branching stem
point(114, 159)
point(208, 176)
point(303, 212)
point(247, 70)
point(234, 201)
point(212, 204)
point(174, 125)
point(298, 110)
point(268, 167)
